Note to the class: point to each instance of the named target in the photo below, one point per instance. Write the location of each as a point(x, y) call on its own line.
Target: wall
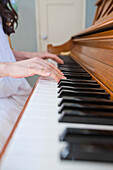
point(90, 11)
point(25, 37)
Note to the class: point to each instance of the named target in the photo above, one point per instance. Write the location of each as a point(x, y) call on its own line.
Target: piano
point(69, 125)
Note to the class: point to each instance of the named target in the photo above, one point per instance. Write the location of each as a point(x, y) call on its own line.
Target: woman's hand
point(47, 55)
point(33, 66)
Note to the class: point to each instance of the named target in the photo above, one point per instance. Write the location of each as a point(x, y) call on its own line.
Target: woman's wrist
point(3, 69)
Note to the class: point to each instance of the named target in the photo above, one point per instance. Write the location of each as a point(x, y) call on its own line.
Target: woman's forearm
point(3, 69)
point(21, 55)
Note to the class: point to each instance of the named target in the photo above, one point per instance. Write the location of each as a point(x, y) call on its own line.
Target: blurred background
point(31, 35)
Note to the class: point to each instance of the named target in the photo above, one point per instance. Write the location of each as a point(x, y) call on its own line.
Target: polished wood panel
point(104, 11)
point(93, 47)
point(63, 48)
point(100, 71)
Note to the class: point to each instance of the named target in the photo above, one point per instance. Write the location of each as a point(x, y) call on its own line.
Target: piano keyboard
point(52, 137)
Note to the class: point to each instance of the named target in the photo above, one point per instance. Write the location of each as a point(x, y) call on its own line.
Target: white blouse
point(10, 86)
point(13, 92)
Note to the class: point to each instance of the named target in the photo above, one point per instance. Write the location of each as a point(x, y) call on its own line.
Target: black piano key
point(78, 76)
point(76, 81)
point(87, 117)
point(86, 94)
point(88, 152)
point(67, 59)
point(85, 100)
point(71, 62)
point(72, 69)
point(76, 66)
point(74, 135)
point(81, 89)
point(78, 84)
point(85, 107)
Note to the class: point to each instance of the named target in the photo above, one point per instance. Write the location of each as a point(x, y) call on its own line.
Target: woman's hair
point(9, 16)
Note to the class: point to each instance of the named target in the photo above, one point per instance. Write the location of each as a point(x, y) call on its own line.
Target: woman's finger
point(55, 58)
point(54, 68)
point(48, 65)
point(46, 70)
point(54, 74)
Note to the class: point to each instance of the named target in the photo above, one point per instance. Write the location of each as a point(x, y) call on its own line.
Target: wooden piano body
point(93, 50)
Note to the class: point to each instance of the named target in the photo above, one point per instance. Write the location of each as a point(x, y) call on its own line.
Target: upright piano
point(69, 125)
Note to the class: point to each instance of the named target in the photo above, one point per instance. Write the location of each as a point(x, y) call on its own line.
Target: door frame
point(38, 21)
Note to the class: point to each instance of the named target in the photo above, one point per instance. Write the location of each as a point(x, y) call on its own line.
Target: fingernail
point(63, 77)
point(61, 62)
point(48, 74)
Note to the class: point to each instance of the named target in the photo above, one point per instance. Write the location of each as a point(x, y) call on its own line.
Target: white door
point(58, 20)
